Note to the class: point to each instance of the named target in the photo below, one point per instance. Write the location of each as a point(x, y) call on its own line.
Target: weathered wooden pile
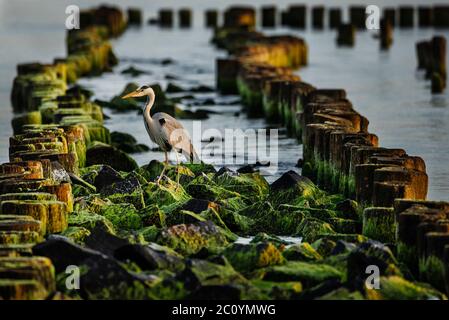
point(339, 153)
point(50, 142)
point(431, 57)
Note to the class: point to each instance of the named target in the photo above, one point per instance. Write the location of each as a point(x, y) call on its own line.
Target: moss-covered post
point(334, 18)
point(318, 17)
point(185, 18)
point(386, 34)
point(268, 16)
point(211, 18)
point(166, 18)
point(425, 16)
point(406, 17)
point(346, 35)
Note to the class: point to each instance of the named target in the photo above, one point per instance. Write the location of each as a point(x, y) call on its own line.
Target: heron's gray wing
point(171, 131)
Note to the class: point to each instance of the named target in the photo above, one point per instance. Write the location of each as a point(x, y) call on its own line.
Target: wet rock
point(105, 177)
point(342, 247)
point(324, 246)
point(264, 237)
point(312, 229)
point(289, 186)
point(76, 234)
point(246, 169)
point(348, 209)
point(226, 170)
point(201, 275)
point(190, 238)
point(133, 71)
point(123, 216)
point(89, 221)
point(127, 143)
point(150, 257)
point(104, 242)
point(124, 186)
point(321, 289)
point(173, 88)
point(246, 258)
point(100, 153)
point(63, 252)
point(366, 254)
point(301, 252)
point(397, 288)
point(202, 89)
point(342, 294)
point(309, 274)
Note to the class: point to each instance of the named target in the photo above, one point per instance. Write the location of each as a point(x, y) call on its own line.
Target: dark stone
point(300, 163)
point(321, 289)
point(64, 252)
point(342, 247)
point(104, 242)
point(366, 254)
point(196, 205)
point(249, 168)
point(134, 72)
point(101, 153)
point(289, 180)
point(217, 292)
point(225, 170)
point(127, 185)
point(150, 257)
point(173, 88)
point(348, 208)
point(202, 89)
point(106, 177)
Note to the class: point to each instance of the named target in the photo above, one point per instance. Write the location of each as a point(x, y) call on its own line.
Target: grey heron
point(164, 130)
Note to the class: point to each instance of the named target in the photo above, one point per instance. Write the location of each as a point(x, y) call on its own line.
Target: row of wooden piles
point(50, 140)
point(298, 15)
point(339, 152)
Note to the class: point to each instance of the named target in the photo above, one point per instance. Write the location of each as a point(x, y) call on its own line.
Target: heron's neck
point(148, 105)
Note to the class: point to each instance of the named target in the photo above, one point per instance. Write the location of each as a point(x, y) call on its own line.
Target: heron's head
point(140, 92)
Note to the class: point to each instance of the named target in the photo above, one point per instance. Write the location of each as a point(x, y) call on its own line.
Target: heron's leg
point(163, 170)
point(177, 169)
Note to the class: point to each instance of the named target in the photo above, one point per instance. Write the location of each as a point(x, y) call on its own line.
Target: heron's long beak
point(131, 95)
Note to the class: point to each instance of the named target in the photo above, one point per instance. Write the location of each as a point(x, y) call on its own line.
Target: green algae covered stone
point(189, 239)
point(397, 288)
point(301, 252)
point(246, 258)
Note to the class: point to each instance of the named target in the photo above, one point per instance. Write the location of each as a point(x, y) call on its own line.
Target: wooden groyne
point(50, 142)
point(339, 152)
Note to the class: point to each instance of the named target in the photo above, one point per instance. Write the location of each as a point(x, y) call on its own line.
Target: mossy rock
point(367, 254)
point(324, 246)
point(189, 239)
point(265, 237)
point(249, 185)
point(101, 153)
point(204, 187)
point(123, 216)
point(342, 294)
point(167, 194)
point(301, 252)
point(309, 274)
point(153, 170)
point(89, 221)
point(76, 234)
point(290, 188)
point(397, 288)
point(311, 229)
point(246, 258)
point(279, 290)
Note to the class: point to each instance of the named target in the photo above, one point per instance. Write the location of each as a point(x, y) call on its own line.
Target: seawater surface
point(383, 86)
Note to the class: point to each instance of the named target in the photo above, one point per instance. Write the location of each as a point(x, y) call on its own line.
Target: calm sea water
point(384, 86)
